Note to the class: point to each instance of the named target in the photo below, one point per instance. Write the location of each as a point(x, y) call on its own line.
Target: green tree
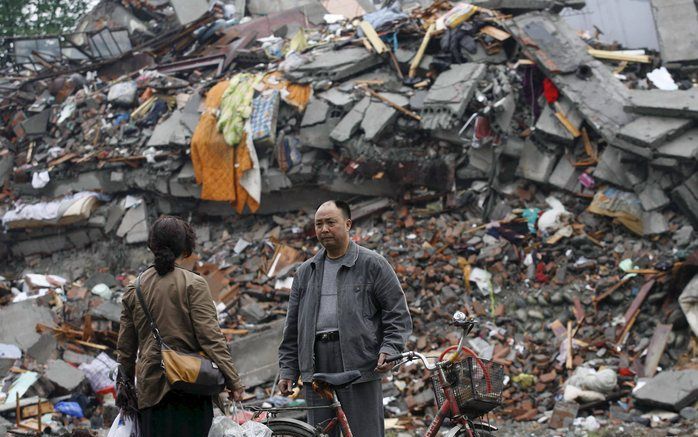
point(40, 17)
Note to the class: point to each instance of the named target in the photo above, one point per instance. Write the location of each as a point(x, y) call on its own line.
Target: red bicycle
point(465, 390)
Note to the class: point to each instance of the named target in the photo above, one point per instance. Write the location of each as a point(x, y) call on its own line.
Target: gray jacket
point(371, 308)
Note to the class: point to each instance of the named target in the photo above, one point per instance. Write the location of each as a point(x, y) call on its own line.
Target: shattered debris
point(506, 165)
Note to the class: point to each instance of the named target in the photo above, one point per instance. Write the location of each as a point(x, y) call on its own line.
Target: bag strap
point(153, 326)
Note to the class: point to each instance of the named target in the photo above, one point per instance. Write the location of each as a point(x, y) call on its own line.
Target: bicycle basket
point(477, 385)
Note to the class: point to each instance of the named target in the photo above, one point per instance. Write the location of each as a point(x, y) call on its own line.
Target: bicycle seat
point(337, 379)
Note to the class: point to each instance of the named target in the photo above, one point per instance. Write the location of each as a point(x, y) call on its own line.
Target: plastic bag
point(255, 429)
point(122, 427)
point(603, 381)
point(224, 426)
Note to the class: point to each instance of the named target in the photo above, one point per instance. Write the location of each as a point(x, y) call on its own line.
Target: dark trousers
point(362, 402)
point(178, 414)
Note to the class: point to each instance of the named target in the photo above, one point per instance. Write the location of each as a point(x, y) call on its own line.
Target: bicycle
point(465, 391)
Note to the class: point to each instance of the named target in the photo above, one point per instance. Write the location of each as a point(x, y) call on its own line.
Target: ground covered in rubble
point(540, 179)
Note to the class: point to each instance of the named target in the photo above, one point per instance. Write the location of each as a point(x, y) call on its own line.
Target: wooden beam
point(420, 53)
point(391, 104)
point(655, 350)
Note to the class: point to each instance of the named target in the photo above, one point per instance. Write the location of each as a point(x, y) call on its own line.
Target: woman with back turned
point(182, 307)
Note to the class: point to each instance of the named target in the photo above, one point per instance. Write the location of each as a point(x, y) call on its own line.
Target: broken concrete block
point(36, 124)
point(65, 377)
point(653, 197)
point(653, 131)
point(612, 168)
point(654, 223)
point(675, 21)
point(566, 175)
point(682, 103)
point(686, 197)
point(44, 349)
point(18, 323)
point(170, 132)
point(684, 147)
point(108, 310)
point(377, 118)
point(557, 48)
point(336, 65)
point(123, 93)
point(536, 164)
point(337, 98)
point(450, 94)
point(351, 122)
point(256, 355)
point(134, 225)
point(549, 127)
point(315, 112)
point(670, 390)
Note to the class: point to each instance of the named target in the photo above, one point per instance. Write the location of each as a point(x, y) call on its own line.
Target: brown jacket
point(183, 310)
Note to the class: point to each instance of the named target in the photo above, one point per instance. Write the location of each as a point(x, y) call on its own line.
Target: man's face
point(331, 227)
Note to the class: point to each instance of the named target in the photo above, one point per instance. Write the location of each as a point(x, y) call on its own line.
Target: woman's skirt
point(178, 414)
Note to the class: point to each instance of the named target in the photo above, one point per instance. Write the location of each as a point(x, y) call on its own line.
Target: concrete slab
point(377, 118)
point(670, 390)
point(653, 131)
point(350, 123)
point(536, 164)
point(37, 124)
point(318, 136)
point(256, 355)
point(65, 377)
point(336, 65)
point(550, 128)
point(676, 22)
point(18, 323)
point(315, 112)
point(681, 103)
point(337, 98)
point(566, 176)
point(684, 147)
point(653, 197)
point(44, 349)
point(686, 198)
point(654, 223)
point(134, 225)
point(450, 94)
point(108, 310)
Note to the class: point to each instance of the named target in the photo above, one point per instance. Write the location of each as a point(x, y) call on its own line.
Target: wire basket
point(477, 385)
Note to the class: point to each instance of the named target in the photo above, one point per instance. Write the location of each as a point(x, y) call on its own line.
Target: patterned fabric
point(265, 109)
point(236, 106)
point(212, 157)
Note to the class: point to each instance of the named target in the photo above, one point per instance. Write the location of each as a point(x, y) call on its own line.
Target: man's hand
point(236, 394)
point(382, 365)
point(285, 386)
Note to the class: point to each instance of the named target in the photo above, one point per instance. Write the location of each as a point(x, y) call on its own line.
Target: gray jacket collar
point(349, 260)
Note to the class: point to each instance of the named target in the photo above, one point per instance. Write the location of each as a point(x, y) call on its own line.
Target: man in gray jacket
point(346, 311)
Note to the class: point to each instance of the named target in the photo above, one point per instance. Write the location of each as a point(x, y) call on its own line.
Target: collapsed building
point(486, 147)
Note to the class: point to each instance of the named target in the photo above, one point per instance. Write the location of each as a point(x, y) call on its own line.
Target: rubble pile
point(506, 165)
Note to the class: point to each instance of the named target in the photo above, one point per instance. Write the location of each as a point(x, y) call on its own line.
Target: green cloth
point(236, 107)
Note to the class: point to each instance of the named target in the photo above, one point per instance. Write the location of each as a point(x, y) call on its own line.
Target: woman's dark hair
point(169, 238)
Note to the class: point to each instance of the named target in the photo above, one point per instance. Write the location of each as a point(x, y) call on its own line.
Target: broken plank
point(495, 33)
point(373, 38)
point(655, 350)
point(619, 56)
